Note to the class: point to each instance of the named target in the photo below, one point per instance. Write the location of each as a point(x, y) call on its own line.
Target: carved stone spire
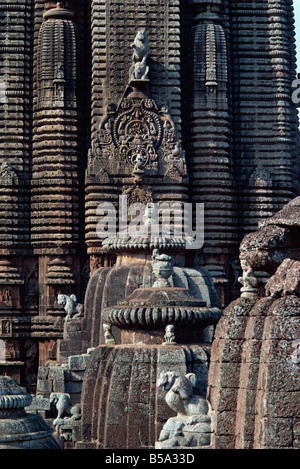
point(57, 59)
point(211, 166)
point(55, 183)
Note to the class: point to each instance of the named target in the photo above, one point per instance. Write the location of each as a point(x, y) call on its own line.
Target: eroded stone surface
point(254, 369)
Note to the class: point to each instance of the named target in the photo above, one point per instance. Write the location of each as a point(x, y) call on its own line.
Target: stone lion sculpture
point(140, 46)
point(180, 396)
point(73, 309)
point(139, 69)
point(192, 425)
point(64, 407)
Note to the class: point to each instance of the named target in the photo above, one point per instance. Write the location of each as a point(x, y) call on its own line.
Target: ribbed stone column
point(55, 179)
point(210, 136)
point(263, 66)
point(16, 125)
point(55, 159)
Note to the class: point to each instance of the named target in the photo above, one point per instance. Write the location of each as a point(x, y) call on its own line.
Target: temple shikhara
point(150, 225)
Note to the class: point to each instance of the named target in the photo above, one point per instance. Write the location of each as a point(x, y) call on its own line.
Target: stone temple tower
point(105, 104)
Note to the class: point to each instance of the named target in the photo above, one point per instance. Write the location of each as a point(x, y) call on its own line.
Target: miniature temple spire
point(211, 175)
point(55, 156)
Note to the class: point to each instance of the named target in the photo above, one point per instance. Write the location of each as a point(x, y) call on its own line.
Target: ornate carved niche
point(59, 279)
point(5, 328)
point(8, 177)
point(6, 297)
point(10, 286)
point(137, 194)
point(9, 208)
point(260, 178)
point(135, 138)
point(32, 289)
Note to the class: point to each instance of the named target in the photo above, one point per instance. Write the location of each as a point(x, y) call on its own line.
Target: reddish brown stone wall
point(254, 375)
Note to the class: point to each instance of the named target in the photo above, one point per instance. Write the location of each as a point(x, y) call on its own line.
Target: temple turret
point(55, 230)
point(210, 137)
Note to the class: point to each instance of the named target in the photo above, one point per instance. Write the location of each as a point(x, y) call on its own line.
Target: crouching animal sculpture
point(180, 396)
point(64, 407)
point(73, 309)
point(192, 425)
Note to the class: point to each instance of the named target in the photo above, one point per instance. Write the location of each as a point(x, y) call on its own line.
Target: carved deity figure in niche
point(139, 163)
point(59, 82)
point(6, 327)
point(5, 297)
point(7, 174)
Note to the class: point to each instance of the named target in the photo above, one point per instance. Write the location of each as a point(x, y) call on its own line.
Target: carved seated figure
point(139, 164)
point(249, 282)
point(191, 426)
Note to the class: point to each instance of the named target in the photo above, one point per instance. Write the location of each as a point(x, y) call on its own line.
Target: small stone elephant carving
point(73, 309)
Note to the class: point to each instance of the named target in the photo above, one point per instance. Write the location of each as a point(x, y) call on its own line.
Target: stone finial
point(162, 267)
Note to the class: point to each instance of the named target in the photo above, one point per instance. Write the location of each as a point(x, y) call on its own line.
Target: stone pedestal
point(186, 431)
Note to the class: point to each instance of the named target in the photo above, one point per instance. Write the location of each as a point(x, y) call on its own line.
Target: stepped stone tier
point(178, 105)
